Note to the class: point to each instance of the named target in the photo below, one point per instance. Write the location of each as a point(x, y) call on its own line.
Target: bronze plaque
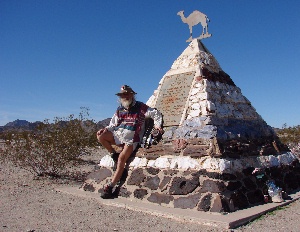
point(172, 97)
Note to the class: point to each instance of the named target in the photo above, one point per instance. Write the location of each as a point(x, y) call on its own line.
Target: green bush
point(289, 134)
point(291, 137)
point(51, 147)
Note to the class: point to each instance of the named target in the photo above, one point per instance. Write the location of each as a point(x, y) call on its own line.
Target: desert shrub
point(51, 147)
point(291, 137)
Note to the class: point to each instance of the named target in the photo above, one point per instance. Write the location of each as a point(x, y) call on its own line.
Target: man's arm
point(113, 123)
point(110, 127)
point(156, 116)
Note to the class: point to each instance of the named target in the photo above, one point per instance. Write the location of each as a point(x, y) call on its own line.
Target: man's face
point(126, 99)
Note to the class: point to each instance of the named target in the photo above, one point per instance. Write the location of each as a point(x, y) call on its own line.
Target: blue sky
point(57, 56)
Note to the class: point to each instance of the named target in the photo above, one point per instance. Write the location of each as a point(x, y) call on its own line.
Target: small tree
point(51, 147)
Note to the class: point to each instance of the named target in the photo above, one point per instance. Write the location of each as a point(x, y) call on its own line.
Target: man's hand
point(101, 131)
point(159, 129)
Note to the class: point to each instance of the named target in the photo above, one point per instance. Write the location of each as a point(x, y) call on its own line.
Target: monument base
point(201, 189)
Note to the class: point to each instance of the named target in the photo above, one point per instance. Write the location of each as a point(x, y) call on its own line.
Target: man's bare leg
point(106, 138)
point(123, 157)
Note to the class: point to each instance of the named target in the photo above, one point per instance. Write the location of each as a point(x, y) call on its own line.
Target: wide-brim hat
point(125, 89)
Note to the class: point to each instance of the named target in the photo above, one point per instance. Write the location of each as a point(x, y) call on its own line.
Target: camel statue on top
point(193, 19)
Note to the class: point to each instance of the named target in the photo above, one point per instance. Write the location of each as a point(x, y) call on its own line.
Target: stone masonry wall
point(199, 190)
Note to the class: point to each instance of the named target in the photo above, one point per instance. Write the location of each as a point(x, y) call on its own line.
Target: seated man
point(126, 129)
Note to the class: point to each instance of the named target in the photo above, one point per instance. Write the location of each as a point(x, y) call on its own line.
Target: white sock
point(111, 184)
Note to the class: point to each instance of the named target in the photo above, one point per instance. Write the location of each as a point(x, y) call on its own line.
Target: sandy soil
point(28, 203)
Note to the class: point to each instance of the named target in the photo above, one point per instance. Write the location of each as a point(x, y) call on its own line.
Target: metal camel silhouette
point(193, 19)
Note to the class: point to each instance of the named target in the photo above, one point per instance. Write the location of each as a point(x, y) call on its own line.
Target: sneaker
point(107, 192)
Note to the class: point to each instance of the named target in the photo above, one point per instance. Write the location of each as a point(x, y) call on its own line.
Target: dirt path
point(29, 204)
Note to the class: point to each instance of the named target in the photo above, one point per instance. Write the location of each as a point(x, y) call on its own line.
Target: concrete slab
point(226, 221)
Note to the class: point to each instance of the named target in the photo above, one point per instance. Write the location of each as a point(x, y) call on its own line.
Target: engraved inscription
point(172, 97)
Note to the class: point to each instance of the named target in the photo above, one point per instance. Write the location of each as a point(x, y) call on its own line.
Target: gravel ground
point(32, 204)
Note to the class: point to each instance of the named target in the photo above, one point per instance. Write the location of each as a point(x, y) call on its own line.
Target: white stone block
point(184, 163)
point(135, 162)
point(174, 163)
point(202, 96)
point(203, 103)
point(195, 106)
point(162, 162)
point(185, 63)
point(151, 163)
point(194, 100)
point(193, 134)
point(138, 162)
point(211, 106)
point(204, 110)
point(194, 113)
point(211, 163)
point(199, 85)
point(192, 97)
point(287, 158)
point(198, 72)
point(210, 62)
point(107, 161)
point(194, 91)
point(224, 165)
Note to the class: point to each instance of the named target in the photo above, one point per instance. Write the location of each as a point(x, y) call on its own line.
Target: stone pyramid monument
point(217, 154)
point(206, 114)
